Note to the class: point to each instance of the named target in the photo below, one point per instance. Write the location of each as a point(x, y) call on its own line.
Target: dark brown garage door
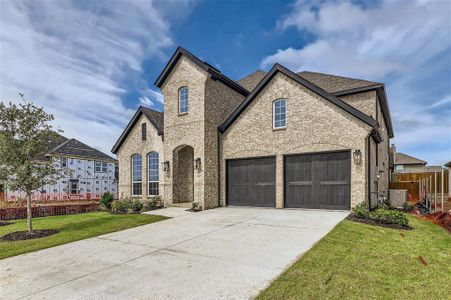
point(318, 180)
point(251, 182)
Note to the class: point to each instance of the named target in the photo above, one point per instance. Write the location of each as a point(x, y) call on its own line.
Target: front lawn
point(359, 261)
point(72, 228)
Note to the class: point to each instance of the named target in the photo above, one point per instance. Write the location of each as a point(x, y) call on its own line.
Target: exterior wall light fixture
point(166, 166)
point(357, 154)
point(197, 164)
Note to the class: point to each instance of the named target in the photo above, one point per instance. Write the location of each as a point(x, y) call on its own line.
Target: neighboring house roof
point(337, 85)
point(404, 159)
point(55, 140)
point(333, 99)
point(155, 117)
point(73, 147)
point(448, 164)
point(214, 73)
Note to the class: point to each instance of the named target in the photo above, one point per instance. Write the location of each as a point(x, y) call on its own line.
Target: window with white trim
point(100, 167)
point(153, 165)
point(279, 113)
point(183, 100)
point(136, 175)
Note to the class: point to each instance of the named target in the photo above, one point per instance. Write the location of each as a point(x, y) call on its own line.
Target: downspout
point(219, 167)
point(369, 169)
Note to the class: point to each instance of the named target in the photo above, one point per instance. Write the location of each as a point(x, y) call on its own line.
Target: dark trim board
point(214, 73)
point(279, 68)
point(348, 178)
point(264, 203)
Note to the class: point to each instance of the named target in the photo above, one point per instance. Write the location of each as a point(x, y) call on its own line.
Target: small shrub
point(106, 200)
point(136, 205)
point(153, 203)
point(120, 206)
point(389, 217)
point(361, 211)
point(408, 207)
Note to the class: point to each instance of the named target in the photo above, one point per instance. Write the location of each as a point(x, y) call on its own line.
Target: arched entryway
point(183, 174)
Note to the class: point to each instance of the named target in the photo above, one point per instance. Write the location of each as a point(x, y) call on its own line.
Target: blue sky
point(92, 64)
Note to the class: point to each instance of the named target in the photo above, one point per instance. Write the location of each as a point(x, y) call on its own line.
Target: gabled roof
point(55, 140)
point(73, 147)
point(404, 159)
point(214, 73)
point(155, 117)
point(333, 99)
point(336, 85)
point(448, 164)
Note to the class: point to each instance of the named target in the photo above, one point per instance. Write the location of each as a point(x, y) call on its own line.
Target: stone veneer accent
point(133, 144)
point(313, 124)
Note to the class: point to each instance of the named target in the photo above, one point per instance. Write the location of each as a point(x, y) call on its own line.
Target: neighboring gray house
point(93, 173)
point(276, 139)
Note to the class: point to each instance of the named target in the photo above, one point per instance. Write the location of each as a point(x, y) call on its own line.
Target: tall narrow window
point(143, 131)
point(154, 178)
point(280, 113)
point(183, 100)
point(136, 175)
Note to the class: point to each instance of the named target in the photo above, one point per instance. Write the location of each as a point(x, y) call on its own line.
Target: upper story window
point(143, 131)
point(183, 100)
point(136, 175)
point(279, 113)
point(63, 162)
point(100, 166)
point(153, 161)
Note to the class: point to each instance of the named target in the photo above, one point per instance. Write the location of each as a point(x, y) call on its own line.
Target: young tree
point(25, 137)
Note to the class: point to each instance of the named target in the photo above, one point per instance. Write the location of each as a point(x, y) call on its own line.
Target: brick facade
point(314, 124)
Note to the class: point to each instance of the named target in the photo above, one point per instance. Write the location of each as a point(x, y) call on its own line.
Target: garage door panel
point(318, 180)
point(251, 182)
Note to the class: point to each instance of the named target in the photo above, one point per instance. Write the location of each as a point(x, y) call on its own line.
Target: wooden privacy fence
point(44, 211)
point(410, 182)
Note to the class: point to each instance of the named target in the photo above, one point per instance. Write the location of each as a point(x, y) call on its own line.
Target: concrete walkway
point(224, 253)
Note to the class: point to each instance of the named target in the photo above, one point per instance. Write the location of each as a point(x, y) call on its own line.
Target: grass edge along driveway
point(72, 228)
point(359, 261)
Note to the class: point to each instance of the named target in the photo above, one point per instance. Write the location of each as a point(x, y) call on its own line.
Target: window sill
point(279, 128)
point(183, 114)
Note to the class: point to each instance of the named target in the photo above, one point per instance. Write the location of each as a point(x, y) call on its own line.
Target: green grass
point(359, 261)
point(72, 228)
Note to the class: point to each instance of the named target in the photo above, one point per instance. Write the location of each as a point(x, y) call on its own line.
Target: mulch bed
point(5, 223)
point(375, 223)
point(23, 235)
point(441, 218)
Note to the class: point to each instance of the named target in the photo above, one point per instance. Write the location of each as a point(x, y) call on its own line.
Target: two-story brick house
point(277, 139)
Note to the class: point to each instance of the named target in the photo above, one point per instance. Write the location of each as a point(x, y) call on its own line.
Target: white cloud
point(72, 57)
point(401, 43)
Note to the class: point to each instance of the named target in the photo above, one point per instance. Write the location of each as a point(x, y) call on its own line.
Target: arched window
point(183, 100)
point(279, 113)
point(136, 175)
point(154, 163)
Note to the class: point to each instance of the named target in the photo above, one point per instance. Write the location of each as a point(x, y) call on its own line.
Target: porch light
point(166, 166)
point(197, 163)
point(357, 154)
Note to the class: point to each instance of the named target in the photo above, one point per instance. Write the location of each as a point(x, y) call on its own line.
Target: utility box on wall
point(397, 198)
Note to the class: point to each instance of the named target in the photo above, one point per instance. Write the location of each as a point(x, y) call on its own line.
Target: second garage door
point(251, 182)
point(318, 180)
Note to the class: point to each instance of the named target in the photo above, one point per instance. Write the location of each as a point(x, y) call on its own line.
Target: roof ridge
point(341, 76)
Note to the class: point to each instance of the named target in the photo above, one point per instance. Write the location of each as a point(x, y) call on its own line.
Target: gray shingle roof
point(329, 83)
point(73, 147)
point(156, 117)
point(404, 159)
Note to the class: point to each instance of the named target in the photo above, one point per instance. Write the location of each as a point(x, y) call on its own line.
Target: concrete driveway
point(224, 253)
